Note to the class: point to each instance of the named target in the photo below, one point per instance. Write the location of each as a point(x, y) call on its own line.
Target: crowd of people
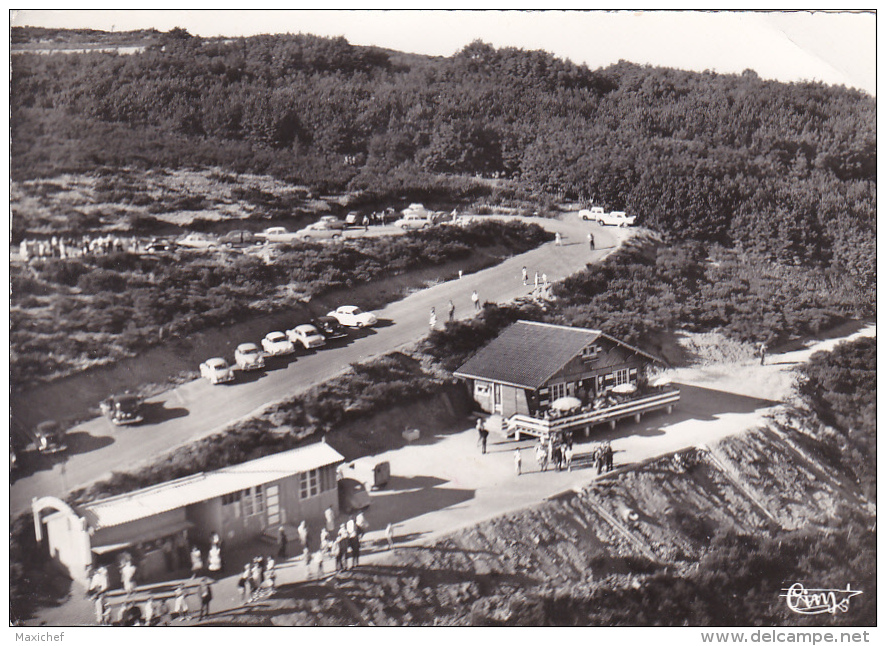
point(72, 247)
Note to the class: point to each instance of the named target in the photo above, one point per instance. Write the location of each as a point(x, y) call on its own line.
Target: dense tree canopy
point(783, 170)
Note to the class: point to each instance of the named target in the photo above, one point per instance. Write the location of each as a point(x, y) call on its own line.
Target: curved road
point(198, 409)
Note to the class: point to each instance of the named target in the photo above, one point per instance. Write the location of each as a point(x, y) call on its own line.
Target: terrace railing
point(538, 427)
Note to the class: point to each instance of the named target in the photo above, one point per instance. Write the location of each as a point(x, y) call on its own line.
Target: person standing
point(608, 455)
point(281, 543)
point(598, 459)
point(303, 534)
point(518, 462)
point(451, 309)
point(102, 610)
point(149, 612)
point(544, 280)
point(591, 241)
point(541, 457)
point(558, 239)
point(536, 280)
point(180, 608)
point(338, 548)
point(365, 223)
point(205, 598)
point(525, 275)
point(245, 583)
point(196, 561)
point(330, 519)
point(762, 353)
point(475, 299)
point(567, 455)
point(432, 321)
point(215, 559)
point(484, 435)
point(389, 535)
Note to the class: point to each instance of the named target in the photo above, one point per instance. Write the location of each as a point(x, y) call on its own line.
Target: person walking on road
point(762, 354)
point(608, 456)
point(591, 241)
point(558, 239)
point(525, 275)
point(303, 534)
point(536, 280)
point(281, 543)
point(432, 322)
point(475, 299)
point(567, 456)
point(518, 462)
point(205, 598)
point(541, 457)
point(389, 535)
point(451, 309)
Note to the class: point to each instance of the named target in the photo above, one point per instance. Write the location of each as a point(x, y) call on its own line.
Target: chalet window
point(558, 391)
point(590, 352)
point(621, 377)
point(232, 498)
point(253, 500)
point(481, 388)
point(310, 484)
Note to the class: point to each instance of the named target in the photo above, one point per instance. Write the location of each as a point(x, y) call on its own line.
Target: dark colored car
point(123, 409)
point(330, 328)
point(239, 239)
point(159, 245)
point(49, 438)
point(352, 495)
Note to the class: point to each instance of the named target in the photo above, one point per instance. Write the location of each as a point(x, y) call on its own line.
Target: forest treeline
point(786, 171)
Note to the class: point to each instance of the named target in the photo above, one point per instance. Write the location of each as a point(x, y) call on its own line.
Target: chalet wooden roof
point(529, 353)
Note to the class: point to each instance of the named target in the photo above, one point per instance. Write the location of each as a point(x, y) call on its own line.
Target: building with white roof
point(159, 525)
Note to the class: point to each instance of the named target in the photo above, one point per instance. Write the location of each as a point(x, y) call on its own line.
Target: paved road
point(198, 409)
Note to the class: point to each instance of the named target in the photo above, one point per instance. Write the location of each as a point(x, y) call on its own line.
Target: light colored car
point(617, 219)
point(197, 241)
point(331, 222)
point(248, 356)
point(318, 231)
point(352, 316)
point(216, 370)
point(413, 221)
point(276, 343)
point(592, 213)
point(307, 335)
point(278, 235)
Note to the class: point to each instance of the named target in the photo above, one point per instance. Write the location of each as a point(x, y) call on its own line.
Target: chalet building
point(159, 524)
point(530, 365)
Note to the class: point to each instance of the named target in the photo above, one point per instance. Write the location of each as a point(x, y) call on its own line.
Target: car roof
point(347, 308)
point(274, 333)
point(247, 346)
point(216, 361)
point(306, 327)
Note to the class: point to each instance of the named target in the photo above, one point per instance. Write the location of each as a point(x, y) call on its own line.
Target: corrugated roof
point(171, 495)
point(527, 353)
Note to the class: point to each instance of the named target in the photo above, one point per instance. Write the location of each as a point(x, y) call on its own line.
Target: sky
point(835, 48)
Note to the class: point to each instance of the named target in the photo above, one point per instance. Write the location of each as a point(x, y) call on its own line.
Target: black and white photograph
point(429, 317)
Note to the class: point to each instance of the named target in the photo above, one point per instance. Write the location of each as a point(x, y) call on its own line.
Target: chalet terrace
point(543, 378)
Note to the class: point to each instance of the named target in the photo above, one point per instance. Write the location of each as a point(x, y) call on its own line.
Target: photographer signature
point(816, 601)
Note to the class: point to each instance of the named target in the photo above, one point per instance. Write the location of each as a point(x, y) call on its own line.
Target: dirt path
point(198, 409)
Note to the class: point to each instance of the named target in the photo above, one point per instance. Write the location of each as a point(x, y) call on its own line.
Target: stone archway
point(67, 535)
point(39, 505)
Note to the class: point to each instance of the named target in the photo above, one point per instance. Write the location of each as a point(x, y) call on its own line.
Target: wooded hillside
point(783, 170)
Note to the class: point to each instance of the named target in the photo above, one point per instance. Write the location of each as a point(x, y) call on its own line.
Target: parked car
point(353, 219)
point(49, 438)
point(278, 235)
point(276, 343)
point(239, 239)
point(592, 213)
point(617, 219)
point(307, 335)
point(413, 221)
point(249, 357)
point(158, 245)
point(197, 241)
point(352, 495)
point(123, 409)
point(331, 222)
point(330, 328)
point(216, 370)
point(352, 316)
point(318, 231)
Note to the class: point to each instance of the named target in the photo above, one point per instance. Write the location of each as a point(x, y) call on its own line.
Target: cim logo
point(817, 601)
